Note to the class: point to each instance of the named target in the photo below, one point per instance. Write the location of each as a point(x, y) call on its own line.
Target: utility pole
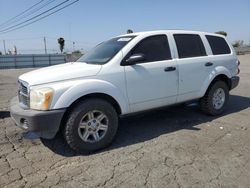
point(73, 46)
point(4, 47)
point(45, 47)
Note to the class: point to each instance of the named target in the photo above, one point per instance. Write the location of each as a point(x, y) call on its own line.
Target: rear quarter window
point(218, 45)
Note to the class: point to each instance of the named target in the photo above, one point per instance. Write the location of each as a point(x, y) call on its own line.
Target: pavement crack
point(218, 175)
point(147, 177)
point(112, 175)
point(219, 138)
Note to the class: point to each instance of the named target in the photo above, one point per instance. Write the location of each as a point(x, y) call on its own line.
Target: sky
point(89, 22)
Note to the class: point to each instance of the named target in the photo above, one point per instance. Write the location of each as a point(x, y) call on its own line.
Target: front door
point(152, 82)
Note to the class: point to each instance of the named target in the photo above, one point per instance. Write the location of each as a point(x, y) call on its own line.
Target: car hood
point(60, 72)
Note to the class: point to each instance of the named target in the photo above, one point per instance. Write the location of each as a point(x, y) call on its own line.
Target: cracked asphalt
point(171, 147)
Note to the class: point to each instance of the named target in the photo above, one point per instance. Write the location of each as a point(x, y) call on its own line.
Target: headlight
point(40, 99)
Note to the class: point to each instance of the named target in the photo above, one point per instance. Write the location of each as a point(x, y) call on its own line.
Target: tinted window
point(218, 45)
point(189, 45)
point(103, 52)
point(155, 48)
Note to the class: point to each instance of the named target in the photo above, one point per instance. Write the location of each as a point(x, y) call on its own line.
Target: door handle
point(167, 69)
point(208, 64)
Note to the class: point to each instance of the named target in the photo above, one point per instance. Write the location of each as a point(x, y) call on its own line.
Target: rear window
point(218, 45)
point(189, 45)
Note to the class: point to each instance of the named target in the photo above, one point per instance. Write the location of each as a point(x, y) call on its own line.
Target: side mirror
point(133, 59)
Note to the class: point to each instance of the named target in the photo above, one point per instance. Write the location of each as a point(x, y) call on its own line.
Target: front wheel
point(91, 125)
point(216, 98)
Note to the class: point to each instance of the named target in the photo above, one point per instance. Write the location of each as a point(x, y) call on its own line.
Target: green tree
point(1, 53)
point(61, 43)
point(76, 52)
point(238, 43)
point(221, 33)
point(129, 31)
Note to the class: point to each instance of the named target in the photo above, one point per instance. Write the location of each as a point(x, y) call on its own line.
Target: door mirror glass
point(135, 58)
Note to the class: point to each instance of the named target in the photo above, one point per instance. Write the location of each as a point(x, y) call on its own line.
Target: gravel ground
point(172, 147)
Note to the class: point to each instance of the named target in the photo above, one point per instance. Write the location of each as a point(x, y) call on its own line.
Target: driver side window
point(154, 48)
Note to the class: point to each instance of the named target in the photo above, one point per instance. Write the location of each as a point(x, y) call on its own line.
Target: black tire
point(75, 116)
point(206, 102)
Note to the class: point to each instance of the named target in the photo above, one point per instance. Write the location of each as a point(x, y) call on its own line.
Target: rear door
point(193, 65)
point(154, 81)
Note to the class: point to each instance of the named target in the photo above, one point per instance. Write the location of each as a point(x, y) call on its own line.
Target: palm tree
point(61, 43)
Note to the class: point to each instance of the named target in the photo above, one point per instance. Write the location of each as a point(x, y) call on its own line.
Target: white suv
point(126, 74)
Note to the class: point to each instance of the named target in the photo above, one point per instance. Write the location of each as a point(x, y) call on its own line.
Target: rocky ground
point(172, 147)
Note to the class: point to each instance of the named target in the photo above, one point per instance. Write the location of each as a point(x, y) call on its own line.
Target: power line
point(28, 13)
point(22, 12)
point(26, 38)
point(10, 28)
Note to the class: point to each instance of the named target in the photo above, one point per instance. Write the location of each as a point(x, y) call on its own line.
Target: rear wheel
point(91, 125)
point(215, 100)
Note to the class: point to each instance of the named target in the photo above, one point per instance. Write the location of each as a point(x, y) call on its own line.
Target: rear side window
point(155, 48)
point(218, 45)
point(189, 45)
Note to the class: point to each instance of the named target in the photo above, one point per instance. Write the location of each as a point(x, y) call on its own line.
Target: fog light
point(24, 123)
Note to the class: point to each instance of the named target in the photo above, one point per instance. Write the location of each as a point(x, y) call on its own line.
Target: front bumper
point(235, 81)
point(45, 124)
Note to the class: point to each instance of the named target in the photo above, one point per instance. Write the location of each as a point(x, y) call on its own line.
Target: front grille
point(23, 88)
point(23, 94)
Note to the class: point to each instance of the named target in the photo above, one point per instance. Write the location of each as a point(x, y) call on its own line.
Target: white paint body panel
point(60, 72)
point(138, 87)
point(149, 86)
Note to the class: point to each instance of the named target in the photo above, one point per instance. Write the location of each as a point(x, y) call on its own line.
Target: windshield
point(105, 51)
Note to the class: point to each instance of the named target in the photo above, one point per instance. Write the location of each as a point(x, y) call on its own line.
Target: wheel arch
point(221, 77)
point(219, 73)
point(103, 96)
point(90, 88)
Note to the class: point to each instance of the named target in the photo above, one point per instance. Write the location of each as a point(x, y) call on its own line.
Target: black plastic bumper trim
point(235, 81)
point(44, 123)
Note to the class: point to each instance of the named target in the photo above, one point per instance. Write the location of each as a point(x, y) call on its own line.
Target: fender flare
point(92, 86)
point(220, 70)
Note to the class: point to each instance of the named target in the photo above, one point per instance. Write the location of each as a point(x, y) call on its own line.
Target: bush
point(77, 52)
